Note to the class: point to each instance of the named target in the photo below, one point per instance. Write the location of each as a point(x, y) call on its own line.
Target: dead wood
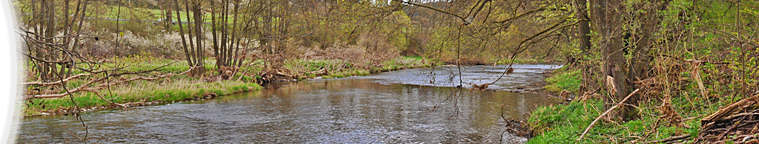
point(605, 113)
point(722, 112)
point(39, 83)
point(736, 122)
point(87, 86)
point(674, 138)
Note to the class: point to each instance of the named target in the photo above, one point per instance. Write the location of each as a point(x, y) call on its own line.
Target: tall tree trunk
point(608, 23)
point(214, 35)
point(181, 34)
point(197, 13)
point(189, 33)
point(50, 31)
point(234, 38)
point(583, 34)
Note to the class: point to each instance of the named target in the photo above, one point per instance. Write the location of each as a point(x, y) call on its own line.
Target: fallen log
point(736, 119)
point(722, 112)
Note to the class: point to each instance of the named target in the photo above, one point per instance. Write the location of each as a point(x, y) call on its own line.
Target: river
point(406, 106)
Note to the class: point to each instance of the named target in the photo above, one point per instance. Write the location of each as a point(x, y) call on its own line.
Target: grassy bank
point(305, 69)
point(139, 92)
point(658, 120)
point(564, 80)
point(165, 91)
point(181, 87)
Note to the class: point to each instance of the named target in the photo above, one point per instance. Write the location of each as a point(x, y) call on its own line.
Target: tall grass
point(166, 91)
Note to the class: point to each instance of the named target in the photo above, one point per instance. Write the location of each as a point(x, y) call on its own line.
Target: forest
point(631, 71)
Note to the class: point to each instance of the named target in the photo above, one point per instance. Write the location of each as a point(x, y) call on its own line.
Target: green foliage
point(398, 33)
point(569, 80)
point(564, 123)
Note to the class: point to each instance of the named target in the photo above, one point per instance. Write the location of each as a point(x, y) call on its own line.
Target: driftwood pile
point(737, 122)
point(274, 75)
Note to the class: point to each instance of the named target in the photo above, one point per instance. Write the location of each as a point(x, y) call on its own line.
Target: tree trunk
point(607, 20)
point(197, 13)
point(583, 34)
point(641, 59)
point(181, 34)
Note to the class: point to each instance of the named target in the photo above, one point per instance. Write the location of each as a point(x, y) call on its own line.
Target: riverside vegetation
point(695, 81)
point(635, 71)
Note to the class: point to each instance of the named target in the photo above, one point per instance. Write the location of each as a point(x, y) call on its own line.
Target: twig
point(670, 139)
point(607, 112)
point(521, 15)
point(517, 50)
point(55, 82)
point(86, 86)
point(463, 19)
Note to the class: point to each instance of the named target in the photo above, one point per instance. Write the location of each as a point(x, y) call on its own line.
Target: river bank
point(179, 88)
point(677, 119)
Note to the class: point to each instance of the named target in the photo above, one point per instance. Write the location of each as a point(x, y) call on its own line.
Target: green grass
point(564, 80)
point(341, 68)
point(175, 88)
point(402, 63)
point(167, 91)
point(564, 123)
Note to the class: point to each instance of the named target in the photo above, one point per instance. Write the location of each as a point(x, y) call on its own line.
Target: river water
point(406, 106)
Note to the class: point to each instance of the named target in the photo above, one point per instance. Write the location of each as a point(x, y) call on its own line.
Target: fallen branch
point(55, 82)
point(739, 115)
point(77, 89)
point(86, 86)
point(141, 78)
point(674, 138)
point(607, 112)
point(729, 109)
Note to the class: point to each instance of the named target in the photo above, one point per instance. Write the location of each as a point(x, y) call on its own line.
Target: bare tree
point(193, 51)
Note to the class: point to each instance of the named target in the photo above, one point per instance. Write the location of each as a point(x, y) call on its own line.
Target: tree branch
point(605, 113)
